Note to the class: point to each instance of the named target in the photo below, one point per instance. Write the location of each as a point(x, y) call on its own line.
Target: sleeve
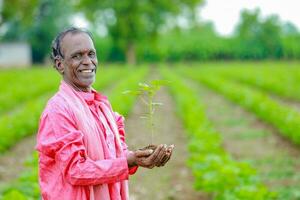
point(120, 123)
point(58, 138)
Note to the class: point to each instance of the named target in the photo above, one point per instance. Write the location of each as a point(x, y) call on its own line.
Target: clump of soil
point(150, 146)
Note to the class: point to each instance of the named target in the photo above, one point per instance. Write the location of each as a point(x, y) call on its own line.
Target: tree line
point(147, 31)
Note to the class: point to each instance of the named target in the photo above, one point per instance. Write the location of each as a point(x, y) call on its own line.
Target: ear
point(59, 66)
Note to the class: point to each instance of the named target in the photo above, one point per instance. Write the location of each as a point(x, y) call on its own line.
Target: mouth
point(86, 70)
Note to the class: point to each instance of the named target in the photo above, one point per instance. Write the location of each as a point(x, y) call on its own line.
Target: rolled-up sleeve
point(60, 140)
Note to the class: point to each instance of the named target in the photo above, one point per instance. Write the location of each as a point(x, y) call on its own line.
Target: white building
point(15, 55)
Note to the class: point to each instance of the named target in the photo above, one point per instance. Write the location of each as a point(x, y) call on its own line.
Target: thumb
point(143, 153)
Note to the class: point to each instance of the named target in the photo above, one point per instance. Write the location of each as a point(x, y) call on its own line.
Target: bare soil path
point(12, 161)
point(174, 180)
point(248, 139)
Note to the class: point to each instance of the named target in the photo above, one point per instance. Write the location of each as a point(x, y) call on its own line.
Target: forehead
point(74, 42)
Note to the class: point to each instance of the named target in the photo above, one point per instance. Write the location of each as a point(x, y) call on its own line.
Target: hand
point(149, 161)
point(166, 157)
point(132, 156)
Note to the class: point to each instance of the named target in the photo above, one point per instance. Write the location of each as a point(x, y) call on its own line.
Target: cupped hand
point(133, 155)
point(157, 156)
point(166, 157)
point(150, 161)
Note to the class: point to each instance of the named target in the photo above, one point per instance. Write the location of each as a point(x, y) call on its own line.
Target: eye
point(77, 56)
point(92, 54)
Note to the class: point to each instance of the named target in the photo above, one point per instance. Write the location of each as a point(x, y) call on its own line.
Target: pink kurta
point(82, 150)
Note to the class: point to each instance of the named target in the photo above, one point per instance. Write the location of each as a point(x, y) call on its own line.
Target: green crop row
point(214, 170)
point(27, 88)
point(26, 187)
point(9, 78)
point(283, 81)
point(23, 120)
point(120, 102)
point(284, 118)
point(38, 82)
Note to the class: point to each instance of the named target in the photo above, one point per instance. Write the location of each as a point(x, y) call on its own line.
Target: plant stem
point(151, 117)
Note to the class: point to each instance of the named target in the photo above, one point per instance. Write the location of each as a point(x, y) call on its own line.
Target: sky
point(225, 14)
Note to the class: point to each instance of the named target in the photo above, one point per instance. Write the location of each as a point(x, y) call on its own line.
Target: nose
point(86, 60)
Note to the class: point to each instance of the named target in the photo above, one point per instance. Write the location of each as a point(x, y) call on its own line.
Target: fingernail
point(150, 151)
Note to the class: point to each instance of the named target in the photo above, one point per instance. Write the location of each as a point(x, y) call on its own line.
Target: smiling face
point(79, 62)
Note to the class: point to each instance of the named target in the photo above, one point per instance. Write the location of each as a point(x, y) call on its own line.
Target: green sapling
point(146, 92)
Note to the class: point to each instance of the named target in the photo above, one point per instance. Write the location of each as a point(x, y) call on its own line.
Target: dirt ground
point(173, 181)
point(248, 139)
point(12, 161)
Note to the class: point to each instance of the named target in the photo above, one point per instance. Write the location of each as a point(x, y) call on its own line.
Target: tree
point(16, 10)
point(289, 28)
point(52, 16)
point(38, 25)
point(15, 18)
point(130, 21)
point(290, 41)
point(259, 38)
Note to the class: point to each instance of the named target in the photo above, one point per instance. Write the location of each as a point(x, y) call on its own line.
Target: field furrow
point(248, 139)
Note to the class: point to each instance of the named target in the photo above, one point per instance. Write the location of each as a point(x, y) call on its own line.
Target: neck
point(78, 89)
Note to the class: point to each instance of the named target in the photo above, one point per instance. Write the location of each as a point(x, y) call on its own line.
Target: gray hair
point(56, 43)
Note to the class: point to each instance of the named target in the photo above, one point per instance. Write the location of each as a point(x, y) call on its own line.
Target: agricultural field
point(235, 127)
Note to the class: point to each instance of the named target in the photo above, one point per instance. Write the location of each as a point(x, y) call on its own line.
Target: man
point(81, 141)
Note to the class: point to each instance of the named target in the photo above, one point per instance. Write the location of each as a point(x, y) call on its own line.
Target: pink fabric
point(82, 149)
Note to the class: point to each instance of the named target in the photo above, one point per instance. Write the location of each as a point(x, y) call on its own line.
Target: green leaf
point(131, 92)
point(157, 104)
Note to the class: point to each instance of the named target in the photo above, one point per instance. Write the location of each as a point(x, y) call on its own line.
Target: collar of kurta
point(92, 97)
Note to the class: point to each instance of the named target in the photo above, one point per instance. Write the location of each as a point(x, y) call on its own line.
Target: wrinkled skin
point(79, 63)
point(150, 157)
point(78, 66)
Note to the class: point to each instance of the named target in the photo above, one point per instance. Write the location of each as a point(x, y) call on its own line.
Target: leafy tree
point(17, 10)
point(52, 16)
point(290, 41)
point(130, 21)
point(15, 18)
point(45, 18)
point(271, 37)
point(289, 28)
point(259, 38)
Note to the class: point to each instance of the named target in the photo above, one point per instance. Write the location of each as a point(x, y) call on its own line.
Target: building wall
point(15, 55)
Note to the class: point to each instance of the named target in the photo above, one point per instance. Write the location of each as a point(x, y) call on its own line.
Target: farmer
point(81, 141)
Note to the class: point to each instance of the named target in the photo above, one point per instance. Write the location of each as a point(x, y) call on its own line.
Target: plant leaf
point(157, 104)
point(131, 92)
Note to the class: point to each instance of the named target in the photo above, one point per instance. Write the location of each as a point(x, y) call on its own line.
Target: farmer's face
point(80, 60)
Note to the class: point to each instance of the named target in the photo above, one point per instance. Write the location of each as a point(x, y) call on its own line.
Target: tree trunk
point(131, 54)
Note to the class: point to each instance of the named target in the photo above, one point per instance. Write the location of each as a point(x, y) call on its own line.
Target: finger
point(168, 158)
point(160, 155)
point(162, 161)
point(170, 148)
point(143, 153)
point(153, 157)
